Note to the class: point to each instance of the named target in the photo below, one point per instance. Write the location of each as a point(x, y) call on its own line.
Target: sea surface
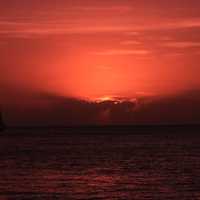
point(59, 165)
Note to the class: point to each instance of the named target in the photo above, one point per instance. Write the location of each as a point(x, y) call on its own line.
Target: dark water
point(96, 167)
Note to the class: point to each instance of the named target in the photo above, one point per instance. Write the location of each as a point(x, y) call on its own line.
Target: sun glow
point(114, 99)
point(105, 98)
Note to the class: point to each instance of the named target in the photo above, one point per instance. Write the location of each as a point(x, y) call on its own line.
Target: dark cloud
point(47, 109)
point(183, 108)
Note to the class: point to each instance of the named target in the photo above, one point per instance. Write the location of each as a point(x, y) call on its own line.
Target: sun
point(104, 98)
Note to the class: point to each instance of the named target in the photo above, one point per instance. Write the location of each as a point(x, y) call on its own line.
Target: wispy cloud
point(122, 52)
point(52, 29)
point(130, 42)
point(132, 33)
point(183, 44)
point(174, 54)
point(117, 8)
point(71, 26)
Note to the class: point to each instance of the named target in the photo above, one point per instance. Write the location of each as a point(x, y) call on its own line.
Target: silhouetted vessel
point(2, 125)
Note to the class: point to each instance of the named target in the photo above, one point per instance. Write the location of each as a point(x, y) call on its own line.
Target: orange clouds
point(79, 26)
point(122, 52)
point(100, 48)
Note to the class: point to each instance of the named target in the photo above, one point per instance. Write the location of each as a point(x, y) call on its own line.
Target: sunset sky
point(96, 49)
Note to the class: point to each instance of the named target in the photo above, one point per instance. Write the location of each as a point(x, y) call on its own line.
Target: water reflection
point(99, 167)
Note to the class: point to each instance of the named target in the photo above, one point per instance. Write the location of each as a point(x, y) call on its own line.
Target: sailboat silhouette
point(2, 125)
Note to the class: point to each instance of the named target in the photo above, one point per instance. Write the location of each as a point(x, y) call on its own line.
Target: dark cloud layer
point(179, 109)
point(46, 109)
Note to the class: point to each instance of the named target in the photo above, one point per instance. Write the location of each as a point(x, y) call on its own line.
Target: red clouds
point(100, 48)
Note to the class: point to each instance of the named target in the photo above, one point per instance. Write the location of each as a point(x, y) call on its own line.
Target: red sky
point(97, 48)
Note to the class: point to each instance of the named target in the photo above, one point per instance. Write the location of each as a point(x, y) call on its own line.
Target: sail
point(2, 126)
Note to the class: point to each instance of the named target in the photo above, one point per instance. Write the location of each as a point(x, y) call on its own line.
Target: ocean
point(59, 165)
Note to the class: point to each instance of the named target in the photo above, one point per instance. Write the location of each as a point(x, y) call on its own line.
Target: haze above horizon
point(98, 50)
